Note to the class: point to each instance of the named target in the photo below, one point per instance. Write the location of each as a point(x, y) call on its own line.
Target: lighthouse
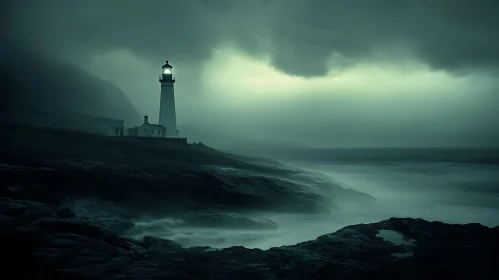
point(167, 116)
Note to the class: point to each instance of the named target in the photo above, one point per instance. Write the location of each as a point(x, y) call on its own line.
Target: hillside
point(149, 174)
point(35, 83)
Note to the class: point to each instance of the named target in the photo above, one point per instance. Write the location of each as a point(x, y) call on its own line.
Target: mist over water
point(451, 191)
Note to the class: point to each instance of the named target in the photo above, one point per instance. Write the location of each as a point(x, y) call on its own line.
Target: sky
point(297, 73)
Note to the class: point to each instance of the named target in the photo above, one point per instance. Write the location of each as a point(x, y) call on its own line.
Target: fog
point(446, 192)
point(288, 73)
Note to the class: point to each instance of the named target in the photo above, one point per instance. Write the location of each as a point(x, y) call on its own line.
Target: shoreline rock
point(47, 243)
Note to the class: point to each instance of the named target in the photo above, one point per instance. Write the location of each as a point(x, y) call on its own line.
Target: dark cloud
point(298, 34)
point(92, 27)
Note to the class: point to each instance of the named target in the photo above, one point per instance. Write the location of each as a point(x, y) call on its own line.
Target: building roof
point(150, 124)
point(166, 65)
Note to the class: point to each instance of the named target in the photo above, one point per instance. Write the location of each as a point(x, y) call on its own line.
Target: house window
point(159, 132)
point(117, 131)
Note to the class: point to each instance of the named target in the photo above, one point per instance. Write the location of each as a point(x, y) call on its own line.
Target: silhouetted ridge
point(32, 84)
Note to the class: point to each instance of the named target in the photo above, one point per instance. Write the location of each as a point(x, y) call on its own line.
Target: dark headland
point(47, 174)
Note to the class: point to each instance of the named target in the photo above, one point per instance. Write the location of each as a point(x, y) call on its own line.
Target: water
point(453, 186)
point(449, 185)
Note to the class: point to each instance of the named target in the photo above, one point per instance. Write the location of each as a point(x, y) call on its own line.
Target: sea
point(451, 185)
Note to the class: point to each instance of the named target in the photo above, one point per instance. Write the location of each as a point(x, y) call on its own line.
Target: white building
point(118, 128)
point(167, 127)
point(167, 115)
point(147, 130)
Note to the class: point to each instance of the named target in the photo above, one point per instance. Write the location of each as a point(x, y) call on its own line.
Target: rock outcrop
point(39, 241)
point(152, 176)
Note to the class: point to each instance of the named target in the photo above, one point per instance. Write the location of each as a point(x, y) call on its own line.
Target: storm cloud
point(325, 72)
point(298, 35)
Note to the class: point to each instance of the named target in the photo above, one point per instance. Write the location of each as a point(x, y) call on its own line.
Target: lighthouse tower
point(167, 116)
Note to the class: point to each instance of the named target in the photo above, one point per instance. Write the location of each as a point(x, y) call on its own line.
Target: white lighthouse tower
point(167, 116)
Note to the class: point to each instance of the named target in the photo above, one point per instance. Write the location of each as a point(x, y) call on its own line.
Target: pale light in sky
point(242, 95)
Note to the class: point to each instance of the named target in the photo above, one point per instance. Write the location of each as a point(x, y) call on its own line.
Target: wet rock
point(106, 214)
point(160, 245)
point(55, 247)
